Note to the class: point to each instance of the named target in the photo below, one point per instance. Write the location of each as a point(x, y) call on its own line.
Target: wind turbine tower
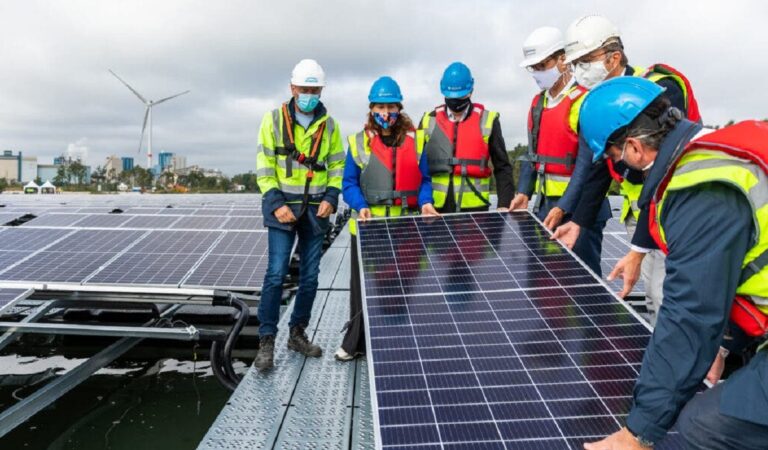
point(147, 116)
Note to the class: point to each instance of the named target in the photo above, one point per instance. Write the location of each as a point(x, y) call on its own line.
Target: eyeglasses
point(538, 67)
point(585, 61)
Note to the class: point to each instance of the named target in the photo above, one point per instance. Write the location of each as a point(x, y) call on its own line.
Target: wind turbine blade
point(172, 96)
point(143, 127)
point(129, 87)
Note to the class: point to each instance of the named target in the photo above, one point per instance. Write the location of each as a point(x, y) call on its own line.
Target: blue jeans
point(589, 246)
point(280, 244)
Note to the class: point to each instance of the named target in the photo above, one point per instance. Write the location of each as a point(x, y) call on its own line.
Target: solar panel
point(54, 220)
point(177, 211)
point(6, 217)
point(614, 248)
point(613, 226)
point(243, 223)
point(150, 221)
point(211, 212)
point(29, 239)
point(73, 258)
point(483, 333)
point(163, 258)
point(102, 221)
point(199, 222)
point(237, 261)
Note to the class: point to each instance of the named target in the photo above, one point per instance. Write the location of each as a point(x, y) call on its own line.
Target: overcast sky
point(236, 58)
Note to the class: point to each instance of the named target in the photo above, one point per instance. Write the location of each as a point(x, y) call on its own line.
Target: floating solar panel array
point(484, 334)
point(149, 241)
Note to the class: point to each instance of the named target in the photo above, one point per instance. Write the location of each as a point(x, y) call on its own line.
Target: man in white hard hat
point(594, 48)
point(299, 168)
point(553, 139)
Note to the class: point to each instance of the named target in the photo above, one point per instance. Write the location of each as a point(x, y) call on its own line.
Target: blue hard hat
point(611, 105)
point(385, 90)
point(457, 81)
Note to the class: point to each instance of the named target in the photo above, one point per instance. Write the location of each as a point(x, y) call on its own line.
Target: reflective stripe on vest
point(292, 180)
point(554, 185)
point(699, 166)
point(383, 190)
point(459, 147)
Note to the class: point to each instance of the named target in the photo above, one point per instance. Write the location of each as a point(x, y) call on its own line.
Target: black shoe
point(265, 356)
point(298, 342)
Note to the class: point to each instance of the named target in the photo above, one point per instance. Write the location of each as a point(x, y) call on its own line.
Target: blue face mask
point(308, 102)
point(385, 121)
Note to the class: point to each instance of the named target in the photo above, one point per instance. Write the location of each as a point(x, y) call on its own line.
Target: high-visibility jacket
point(631, 191)
point(277, 169)
point(457, 152)
point(388, 175)
point(737, 156)
point(556, 142)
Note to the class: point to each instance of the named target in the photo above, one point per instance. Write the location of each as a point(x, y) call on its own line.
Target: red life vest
point(470, 155)
point(747, 140)
point(691, 105)
point(382, 181)
point(557, 144)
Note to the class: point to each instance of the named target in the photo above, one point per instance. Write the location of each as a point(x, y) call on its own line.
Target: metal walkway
point(304, 403)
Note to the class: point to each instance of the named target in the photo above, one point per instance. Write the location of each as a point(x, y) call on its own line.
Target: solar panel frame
point(570, 334)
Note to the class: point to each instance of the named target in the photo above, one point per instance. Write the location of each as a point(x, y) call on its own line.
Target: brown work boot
point(265, 356)
point(299, 342)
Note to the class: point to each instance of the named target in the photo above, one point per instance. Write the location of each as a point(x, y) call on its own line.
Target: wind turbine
point(147, 116)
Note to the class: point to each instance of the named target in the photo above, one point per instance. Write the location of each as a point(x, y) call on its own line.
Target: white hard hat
point(541, 44)
point(586, 34)
point(308, 73)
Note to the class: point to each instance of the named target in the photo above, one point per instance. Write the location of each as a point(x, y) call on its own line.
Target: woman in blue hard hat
point(385, 175)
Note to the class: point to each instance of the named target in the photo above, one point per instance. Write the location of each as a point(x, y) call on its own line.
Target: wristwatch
point(641, 440)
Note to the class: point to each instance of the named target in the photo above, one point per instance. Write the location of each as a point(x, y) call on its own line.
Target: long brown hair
point(402, 125)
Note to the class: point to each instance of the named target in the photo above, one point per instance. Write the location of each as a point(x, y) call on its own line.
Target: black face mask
point(457, 104)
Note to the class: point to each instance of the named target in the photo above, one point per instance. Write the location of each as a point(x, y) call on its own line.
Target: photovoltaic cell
point(200, 222)
point(54, 220)
point(162, 258)
point(483, 333)
point(243, 223)
point(72, 259)
point(102, 221)
point(614, 248)
point(237, 261)
point(150, 221)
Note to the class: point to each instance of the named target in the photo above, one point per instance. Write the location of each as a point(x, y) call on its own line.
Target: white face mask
point(590, 77)
point(545, 79)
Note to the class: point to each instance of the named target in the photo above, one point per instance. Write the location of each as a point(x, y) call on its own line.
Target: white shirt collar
point(453, 117)
point(554, 101)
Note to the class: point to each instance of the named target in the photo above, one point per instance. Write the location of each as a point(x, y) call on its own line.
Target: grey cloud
point(236, 57)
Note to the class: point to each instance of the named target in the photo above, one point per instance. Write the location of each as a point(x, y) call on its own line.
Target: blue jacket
point(708, 228)
point(353, 195)
point(573, 192)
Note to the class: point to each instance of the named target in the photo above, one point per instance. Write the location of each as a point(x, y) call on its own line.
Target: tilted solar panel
point(483, 333)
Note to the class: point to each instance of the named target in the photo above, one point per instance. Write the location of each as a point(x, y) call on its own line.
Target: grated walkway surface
point(304, 403)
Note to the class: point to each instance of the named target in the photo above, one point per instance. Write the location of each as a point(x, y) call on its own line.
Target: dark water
point(139, 403)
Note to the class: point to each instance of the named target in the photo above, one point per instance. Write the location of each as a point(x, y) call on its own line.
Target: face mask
point(592, 75)
point(643, 169)
point(308, 102)
point(385, 120)
point(545, 79)
point(457, 104)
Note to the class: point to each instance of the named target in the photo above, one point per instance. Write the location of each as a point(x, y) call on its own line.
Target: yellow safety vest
point(441, 181)
point(272, 168)
point(631, 191)
point(362, 158)
point(706, 166)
